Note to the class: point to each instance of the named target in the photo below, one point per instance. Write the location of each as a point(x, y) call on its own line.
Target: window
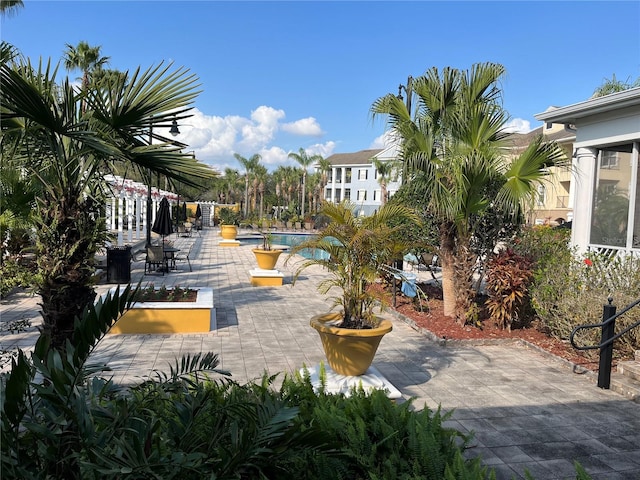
point(338, 175)
point(348, 175)
point(610, 214)
point(541, 194)
point(362, 174)
point(328, 194)
point(347, 194)
point(376, 195)
point(362, 195)
point(609, 160)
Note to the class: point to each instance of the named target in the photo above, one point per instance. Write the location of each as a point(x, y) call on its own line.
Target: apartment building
point(554, 200)
point(353, 177)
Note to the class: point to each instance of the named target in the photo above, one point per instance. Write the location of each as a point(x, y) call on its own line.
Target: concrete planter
point(170, 317)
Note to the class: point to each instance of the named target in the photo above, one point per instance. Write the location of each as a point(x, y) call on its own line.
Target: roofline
point(593, 106)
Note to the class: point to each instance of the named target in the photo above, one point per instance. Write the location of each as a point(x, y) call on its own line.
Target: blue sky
point(279, 76)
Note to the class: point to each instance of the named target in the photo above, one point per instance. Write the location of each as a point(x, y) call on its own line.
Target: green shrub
point(569, 290)
point(14, 274)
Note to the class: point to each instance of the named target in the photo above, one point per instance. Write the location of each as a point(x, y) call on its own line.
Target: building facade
point(606, 210)
point(354, 178)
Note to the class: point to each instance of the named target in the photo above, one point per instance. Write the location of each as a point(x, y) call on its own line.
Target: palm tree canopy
point(85, 58)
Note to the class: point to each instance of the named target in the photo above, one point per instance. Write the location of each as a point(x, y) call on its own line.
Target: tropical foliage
point(64, 139)
point(453, 151)
point(356, 248)
point(62, 417)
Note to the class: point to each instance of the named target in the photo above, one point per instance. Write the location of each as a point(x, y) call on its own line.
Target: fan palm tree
point(67, 149)
point(453, 152)
point(304, 159)
point(249, 164)
point(385, 171)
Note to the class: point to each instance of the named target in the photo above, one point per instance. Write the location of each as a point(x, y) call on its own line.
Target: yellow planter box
point(170, 317)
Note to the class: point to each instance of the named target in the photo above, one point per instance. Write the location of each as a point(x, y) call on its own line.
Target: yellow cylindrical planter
point(229, 232)
point(266, 259)
point(349, 351)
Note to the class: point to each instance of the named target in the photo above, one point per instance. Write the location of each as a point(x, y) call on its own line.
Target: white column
point(333, 184)
point(584, 165)
point(112, 220)
point(138, 211)
point(129, 206)
point(120, 219)
point(342, 183)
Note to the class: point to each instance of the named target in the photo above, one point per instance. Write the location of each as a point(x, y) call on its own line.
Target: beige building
point(554, 201)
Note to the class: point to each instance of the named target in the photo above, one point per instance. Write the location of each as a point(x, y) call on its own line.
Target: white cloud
point(215, 139)
point(304, 127)
point(518, 125)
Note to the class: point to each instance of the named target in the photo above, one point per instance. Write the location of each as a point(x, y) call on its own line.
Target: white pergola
point(127, 207)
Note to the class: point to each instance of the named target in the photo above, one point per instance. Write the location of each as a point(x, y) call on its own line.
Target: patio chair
point(408, 284)
point(431, 262)
point(181, 257)
point(155, 260)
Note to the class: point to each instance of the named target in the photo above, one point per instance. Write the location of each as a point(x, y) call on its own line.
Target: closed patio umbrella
point(162, 225)
point(198, 216)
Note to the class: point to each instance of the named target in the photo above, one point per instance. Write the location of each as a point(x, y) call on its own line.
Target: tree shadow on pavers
point(414, 366)
point(546, 438)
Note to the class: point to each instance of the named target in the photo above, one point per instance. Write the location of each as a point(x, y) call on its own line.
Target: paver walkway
point(528, 411)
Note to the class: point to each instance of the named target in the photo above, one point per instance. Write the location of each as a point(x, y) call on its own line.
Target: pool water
point(289, 240)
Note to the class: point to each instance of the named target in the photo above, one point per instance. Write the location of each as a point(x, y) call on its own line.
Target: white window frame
point(361, 196)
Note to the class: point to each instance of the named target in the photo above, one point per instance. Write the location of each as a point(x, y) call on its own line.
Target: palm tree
point(84, 58)
point(260, 175)
point(385, 171)
point(249, 164)
point(10, 7)
point(304, 160)
point(453, 151)
point(66, 140)
point(613, 85)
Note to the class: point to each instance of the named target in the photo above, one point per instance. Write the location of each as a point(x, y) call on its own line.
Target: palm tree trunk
point(66, 241)
point(447, 257)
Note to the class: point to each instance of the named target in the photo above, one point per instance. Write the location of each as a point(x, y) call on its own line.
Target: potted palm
point(357, 248)
point(266, 255)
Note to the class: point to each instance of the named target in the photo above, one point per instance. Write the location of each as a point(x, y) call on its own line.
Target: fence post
point(606, 351)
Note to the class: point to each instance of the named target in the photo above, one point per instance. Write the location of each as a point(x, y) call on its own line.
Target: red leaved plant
point(508, 278)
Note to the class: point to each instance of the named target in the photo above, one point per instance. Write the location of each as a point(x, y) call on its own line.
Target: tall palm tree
point(66, 140)
point(85, 58)
point(249, 164)
point(385, 171)
point(260, 175)
point(454, 153)
point(304, 159)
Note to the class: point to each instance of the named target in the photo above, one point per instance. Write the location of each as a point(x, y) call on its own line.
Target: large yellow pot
point(266, 259)
point(229, 232)
point(349, 351)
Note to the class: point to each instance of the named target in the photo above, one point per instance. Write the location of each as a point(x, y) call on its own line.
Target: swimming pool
point(288, 240)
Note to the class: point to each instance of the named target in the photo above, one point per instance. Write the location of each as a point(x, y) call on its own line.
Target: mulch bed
point(439, 327)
